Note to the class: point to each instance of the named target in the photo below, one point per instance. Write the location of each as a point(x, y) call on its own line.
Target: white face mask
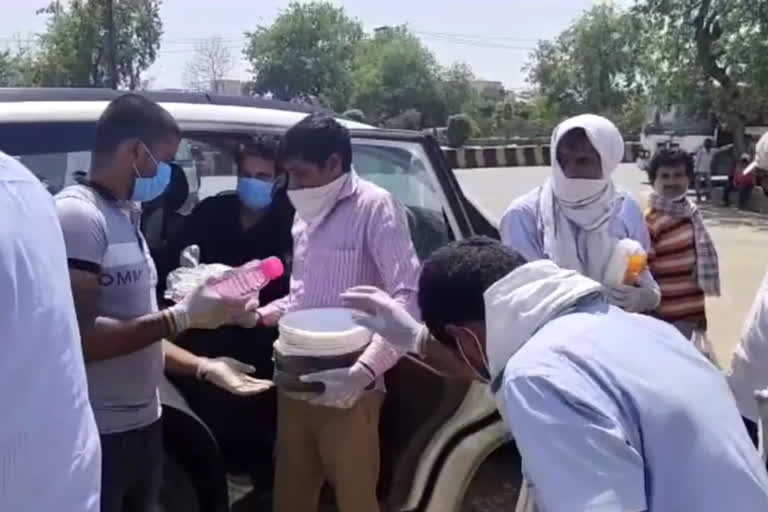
point(576, 190)
point(313, 203)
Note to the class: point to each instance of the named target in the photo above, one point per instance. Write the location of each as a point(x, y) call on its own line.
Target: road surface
point(740, 238)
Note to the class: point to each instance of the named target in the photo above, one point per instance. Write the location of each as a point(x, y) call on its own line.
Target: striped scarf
point(707, 267)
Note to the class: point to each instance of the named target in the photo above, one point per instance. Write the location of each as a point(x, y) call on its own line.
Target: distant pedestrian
point(743, 183)
point(703, 168)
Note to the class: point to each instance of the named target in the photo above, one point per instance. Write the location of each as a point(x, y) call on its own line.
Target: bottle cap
point(272, 267)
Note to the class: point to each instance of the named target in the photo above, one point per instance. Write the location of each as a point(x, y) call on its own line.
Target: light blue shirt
point(519, 225)
point(617, 412)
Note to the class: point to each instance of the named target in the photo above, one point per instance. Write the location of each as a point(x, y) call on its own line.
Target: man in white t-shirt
point(50, 458)
point(749, 363)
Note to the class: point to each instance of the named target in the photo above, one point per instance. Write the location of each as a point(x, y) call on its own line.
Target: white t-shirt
point(50, 456)
point(749, 364)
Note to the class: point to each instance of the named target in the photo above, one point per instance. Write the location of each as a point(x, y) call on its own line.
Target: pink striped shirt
point(363, 240)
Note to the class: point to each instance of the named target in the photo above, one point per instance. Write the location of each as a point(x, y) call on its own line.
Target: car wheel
point(495, 487)
point(177, 494)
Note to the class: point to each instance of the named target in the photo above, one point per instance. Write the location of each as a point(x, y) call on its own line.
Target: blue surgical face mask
point(147, 189)
point(256, 194)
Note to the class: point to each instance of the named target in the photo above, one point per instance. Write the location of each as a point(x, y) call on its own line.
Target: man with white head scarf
point(577, 217)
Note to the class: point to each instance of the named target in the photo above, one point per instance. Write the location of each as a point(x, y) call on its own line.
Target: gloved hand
point(231, 375)
point(385, 316)
point(343, 386)
point(250, 317)
point(636, 299)
point(205, 309)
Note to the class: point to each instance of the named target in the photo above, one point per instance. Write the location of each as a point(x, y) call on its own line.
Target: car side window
point(403, 169)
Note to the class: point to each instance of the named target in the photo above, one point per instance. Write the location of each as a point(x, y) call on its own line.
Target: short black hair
point(262, 146)
point(132, 116)
point(315, 138)
point(455, 277)
point(670, 157)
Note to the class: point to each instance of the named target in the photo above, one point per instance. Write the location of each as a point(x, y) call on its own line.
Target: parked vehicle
point(435, 433)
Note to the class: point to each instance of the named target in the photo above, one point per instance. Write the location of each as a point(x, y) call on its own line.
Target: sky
point(493, 36)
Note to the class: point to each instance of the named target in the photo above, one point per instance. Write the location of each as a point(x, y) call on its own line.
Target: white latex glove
point(343, 386)
point(250, 317)
point(231, 375)
point(385, 316)
point(636, 299)
point(205, 309)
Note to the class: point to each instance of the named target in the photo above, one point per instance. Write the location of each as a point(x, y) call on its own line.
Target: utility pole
point(109, 14)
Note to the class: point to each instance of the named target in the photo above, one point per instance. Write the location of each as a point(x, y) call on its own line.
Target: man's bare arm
point(105, 338)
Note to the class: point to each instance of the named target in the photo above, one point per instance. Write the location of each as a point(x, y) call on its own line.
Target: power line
point(477, 37)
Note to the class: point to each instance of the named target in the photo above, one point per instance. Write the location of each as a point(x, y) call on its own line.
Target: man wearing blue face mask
point(113, 279)
point(232, 229)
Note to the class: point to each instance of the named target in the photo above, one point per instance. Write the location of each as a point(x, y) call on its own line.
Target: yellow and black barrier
point(514, 156)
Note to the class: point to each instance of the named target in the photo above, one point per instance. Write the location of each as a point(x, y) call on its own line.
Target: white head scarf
point(520, 303)
point(575, 214)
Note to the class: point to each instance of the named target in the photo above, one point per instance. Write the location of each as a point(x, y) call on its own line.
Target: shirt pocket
point(335, 270)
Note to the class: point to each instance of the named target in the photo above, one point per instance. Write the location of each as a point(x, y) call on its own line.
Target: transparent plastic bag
point(182, 281)
point(191, 274)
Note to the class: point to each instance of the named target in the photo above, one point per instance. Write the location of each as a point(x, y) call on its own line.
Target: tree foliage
point(211, 63)
point(72, 51)
point(590, 67)
point(307, 52)
point(459, 130)
point(708, 55)
point(394, 72)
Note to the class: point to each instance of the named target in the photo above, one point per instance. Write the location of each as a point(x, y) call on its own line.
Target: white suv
point(435, 433)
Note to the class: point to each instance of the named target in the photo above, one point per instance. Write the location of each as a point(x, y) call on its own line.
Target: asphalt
point(740, 238)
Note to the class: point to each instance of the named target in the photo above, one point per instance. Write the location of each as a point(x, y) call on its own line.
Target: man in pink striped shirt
point(347, 232)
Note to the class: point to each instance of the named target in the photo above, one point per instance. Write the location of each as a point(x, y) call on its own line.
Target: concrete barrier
point(514, 156)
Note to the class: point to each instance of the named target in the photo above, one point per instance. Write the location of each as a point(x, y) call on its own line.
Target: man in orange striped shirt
point(683, 259)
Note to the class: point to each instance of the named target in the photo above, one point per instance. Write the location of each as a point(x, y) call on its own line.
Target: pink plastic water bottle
point(248, 279)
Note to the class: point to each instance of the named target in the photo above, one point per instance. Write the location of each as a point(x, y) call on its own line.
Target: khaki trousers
point(316, 444)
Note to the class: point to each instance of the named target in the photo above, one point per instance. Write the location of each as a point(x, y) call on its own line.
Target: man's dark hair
point(455, 277)
point(315, 138)
point(670, 157)
point(132, 116)
point(262, 146)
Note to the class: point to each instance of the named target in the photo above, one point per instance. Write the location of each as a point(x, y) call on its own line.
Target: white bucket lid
point(320, 332)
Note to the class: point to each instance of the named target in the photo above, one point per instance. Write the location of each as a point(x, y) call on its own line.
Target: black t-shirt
point(214, 225)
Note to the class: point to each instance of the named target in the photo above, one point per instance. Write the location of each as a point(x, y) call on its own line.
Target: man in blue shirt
point(611, 411)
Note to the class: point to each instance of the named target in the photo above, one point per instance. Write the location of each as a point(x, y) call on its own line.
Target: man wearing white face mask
point(603, 424)
point(578, 216)
point(346, 232)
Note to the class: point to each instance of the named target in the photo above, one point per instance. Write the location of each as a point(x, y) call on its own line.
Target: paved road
point(740, 239)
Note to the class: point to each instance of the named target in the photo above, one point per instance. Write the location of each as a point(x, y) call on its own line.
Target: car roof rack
point(101, 94)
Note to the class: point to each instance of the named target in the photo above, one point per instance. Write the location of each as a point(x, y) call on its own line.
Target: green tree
point(72, 51)
point(456, 87)
point(395, 72)
point(590, 67)
point(307, 52)
point(708, 55)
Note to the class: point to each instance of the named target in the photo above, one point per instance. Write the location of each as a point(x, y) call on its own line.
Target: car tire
point(177, 494)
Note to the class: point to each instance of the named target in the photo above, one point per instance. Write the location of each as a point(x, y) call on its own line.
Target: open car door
point(426, 417)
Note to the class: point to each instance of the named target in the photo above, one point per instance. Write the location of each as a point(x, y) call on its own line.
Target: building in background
point(489, 88)
point(228, 87)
